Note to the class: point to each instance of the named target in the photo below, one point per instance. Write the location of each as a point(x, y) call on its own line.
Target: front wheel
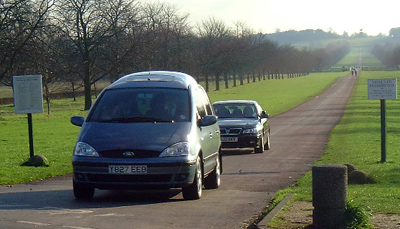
point(268, 143)
point(194, 191)
point(82, 191)
point(260, 148)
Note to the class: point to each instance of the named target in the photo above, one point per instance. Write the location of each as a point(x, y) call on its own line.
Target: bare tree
point(214, 38)
point(20, 23)
point(163, 32)
point(87, 24)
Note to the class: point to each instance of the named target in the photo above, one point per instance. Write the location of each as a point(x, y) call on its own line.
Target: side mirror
point(264, 114)
point(207, 120)
point(77, 120)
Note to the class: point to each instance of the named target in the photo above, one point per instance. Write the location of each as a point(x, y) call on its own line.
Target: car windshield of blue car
point(235, 110)
point(141, 105)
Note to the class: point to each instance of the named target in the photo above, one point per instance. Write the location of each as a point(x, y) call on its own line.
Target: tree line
point(388, 54)
point(79, 42)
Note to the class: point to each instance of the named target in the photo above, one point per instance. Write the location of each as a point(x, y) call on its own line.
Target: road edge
point(264, 222)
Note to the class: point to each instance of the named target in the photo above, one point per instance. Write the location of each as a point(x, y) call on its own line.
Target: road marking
point(70, 211)
point(110, 214)
point(34, 223)
point(72, 227)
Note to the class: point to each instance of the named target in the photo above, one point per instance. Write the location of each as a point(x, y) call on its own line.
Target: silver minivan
point(148, 130)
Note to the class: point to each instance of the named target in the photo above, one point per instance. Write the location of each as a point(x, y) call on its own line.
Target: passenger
point(236, 112)
point(158, 109)
point(248, 112)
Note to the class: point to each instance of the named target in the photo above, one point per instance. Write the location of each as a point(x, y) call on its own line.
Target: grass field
point(356, 140)
point(54, 136)
point(276, 96)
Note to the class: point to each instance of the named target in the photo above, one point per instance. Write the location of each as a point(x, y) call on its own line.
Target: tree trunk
point(86, 83)
point(88, 94)
point(47, 96)
point(207, 83)
point(217, 82)
point(226, 80)
point(73, 91)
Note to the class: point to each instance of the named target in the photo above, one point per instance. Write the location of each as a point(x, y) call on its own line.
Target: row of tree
point(388, 54)
point(83, 41)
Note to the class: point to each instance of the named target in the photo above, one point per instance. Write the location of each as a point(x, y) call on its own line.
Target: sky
point(267, 16)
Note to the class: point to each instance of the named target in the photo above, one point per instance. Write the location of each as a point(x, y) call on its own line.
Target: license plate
point(127, 169)
point(229, 139)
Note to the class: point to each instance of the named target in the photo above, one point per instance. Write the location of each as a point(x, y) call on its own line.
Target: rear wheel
point(82, 191)
point(194, 191)
point(213, 180)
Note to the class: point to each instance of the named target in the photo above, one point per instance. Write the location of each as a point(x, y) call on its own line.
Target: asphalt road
point(249, 182)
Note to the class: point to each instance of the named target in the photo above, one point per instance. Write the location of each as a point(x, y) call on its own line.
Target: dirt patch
point(299, 215)
point(386, 221)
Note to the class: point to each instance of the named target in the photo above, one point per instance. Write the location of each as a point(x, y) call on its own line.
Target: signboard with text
point(382, 88)
point(28, 94)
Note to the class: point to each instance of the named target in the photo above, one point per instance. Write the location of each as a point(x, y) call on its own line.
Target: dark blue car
point(243, 124)
point(148, 130)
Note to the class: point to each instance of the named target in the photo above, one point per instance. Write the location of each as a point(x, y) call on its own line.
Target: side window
point(206, 101)
point(198, 100)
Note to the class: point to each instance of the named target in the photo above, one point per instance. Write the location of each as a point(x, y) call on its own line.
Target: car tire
point(194, 191)
point(213, 180)
point(82, 191)
point(268, 143)
point(260, 149)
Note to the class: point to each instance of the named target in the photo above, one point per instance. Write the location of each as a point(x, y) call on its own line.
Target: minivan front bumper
point(159, 175)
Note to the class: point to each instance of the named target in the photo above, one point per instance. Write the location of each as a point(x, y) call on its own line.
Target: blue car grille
point(129, 153)
point(230, 131)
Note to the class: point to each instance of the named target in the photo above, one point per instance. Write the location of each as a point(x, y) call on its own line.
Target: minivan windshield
point(142, 105)
point(235, 110)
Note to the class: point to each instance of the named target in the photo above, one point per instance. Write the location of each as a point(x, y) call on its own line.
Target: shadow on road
point(233, 152)
point(42, 200)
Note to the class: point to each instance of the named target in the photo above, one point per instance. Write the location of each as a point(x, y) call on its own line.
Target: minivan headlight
point(177, 150)
point(84, 149)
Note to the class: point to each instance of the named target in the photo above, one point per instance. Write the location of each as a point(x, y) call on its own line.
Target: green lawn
point(277, 96)
point(54, 136)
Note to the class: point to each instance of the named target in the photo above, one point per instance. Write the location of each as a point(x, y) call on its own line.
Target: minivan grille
point(129, 153)
point(163, 178)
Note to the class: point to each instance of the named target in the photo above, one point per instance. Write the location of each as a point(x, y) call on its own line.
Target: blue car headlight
point(180, 149)
point(250, 131)
point(84, 149)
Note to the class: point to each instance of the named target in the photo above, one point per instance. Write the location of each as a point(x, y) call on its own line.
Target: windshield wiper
point(134, 119)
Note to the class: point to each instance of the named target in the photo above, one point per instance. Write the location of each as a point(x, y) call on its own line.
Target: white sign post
point(28, 98)
point(382, 89)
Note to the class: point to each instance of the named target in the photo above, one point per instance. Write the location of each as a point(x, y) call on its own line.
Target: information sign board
point(28, 94)
point(382, 88)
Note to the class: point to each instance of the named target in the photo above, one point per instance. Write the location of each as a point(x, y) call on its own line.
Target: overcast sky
point(266, 16)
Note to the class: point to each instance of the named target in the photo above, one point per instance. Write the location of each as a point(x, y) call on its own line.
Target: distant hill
point(359, 43)
point(303, 38)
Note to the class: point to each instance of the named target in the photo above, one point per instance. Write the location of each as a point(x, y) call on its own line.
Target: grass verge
point(356, 140)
